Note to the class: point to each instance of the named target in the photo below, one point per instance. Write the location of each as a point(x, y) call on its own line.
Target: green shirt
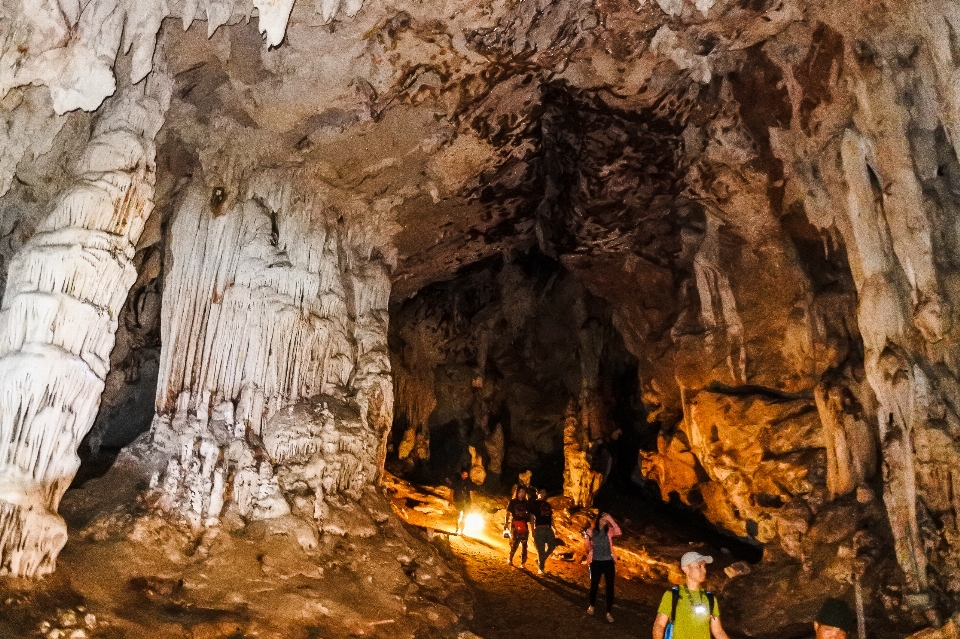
point(692, 620)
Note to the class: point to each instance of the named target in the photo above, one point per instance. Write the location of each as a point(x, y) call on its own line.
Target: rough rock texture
point(274, 579)
point(763, 194)
point(65, 288)
point(267, 304)
point(505, 360)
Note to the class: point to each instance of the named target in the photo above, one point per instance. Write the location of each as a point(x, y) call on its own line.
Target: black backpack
point(675, 596)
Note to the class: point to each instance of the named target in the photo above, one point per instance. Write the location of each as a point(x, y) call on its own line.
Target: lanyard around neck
point(701, 596)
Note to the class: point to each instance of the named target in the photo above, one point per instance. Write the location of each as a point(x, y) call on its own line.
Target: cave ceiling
point(484, 127)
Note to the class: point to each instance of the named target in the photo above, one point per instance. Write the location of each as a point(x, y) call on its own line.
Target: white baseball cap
point(693, 557)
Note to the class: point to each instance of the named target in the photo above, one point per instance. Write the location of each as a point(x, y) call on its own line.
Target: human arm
point(717, 629)
point(587, 550)
point(660, 625)
point(613, 530)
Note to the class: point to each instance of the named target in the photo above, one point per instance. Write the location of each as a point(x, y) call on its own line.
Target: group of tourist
point(686, 611)
point(529, 509)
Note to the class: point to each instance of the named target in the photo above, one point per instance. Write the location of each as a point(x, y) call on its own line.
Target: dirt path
point(514, 603)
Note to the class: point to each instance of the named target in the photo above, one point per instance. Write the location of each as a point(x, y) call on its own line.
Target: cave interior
point(275, 272)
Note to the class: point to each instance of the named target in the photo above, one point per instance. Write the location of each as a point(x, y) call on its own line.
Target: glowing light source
point(473, 524)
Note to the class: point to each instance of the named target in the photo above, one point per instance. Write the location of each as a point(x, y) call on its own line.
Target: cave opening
point(489, 365)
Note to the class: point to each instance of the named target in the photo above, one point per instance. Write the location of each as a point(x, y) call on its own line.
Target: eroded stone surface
point(763, 193)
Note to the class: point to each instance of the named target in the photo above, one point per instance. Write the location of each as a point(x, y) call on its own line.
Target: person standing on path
point(544, 539)
point(462, 496)
point(598, 544)
point(692, 611)
point(518, 520)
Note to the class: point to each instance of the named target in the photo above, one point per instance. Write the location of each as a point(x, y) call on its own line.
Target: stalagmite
point(58, 320)
point(261, 356)
point(416, 399)
point(580, 482)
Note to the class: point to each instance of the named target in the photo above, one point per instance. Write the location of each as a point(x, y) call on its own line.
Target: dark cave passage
point(498, 353)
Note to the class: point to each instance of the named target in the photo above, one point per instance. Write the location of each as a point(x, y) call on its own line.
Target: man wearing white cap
point(688, 611)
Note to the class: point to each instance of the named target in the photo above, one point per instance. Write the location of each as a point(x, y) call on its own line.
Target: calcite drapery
point(882, 181)
point(268, 303)
point(64, 293)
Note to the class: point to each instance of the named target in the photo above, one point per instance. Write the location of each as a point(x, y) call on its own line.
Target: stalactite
point(884, 319)
point(840, 473)
point(718, 306)
point(64, 294)
point(71, 46)
point(267, 305)
point(416, 400)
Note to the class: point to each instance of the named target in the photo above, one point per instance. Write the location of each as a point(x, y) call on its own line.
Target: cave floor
point(511, 601)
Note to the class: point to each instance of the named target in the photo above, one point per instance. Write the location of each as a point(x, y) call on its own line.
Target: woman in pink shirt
point(598, 547)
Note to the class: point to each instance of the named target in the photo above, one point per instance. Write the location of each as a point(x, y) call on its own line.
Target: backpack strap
point(710, 601)
point(675, 594)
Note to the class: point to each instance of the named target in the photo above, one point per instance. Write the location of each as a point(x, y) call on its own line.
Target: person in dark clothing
point(518, 520)
point(544, 539)
point(598, 544)
point(462, 497)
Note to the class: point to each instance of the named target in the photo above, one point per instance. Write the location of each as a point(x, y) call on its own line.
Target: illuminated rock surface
point(702, 251)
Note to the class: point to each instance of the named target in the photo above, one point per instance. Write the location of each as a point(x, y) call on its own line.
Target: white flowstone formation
point(59, 316)
point(268, 304)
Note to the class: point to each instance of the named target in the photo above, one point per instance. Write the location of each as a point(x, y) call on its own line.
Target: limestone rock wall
point(844, 137)
point(764, 194)
point(517, 362)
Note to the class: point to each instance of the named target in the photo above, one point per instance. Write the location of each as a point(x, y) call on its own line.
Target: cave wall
point(764, 193)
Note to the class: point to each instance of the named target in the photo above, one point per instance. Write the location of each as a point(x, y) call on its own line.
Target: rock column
point(58, 320)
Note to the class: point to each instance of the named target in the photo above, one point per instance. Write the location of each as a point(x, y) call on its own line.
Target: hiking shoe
point(609, 617)
point(590, 611)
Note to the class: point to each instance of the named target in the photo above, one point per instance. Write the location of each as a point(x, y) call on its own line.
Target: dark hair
point(596, 521)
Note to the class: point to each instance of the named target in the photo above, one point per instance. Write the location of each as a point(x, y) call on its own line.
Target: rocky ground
point(128, 573)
